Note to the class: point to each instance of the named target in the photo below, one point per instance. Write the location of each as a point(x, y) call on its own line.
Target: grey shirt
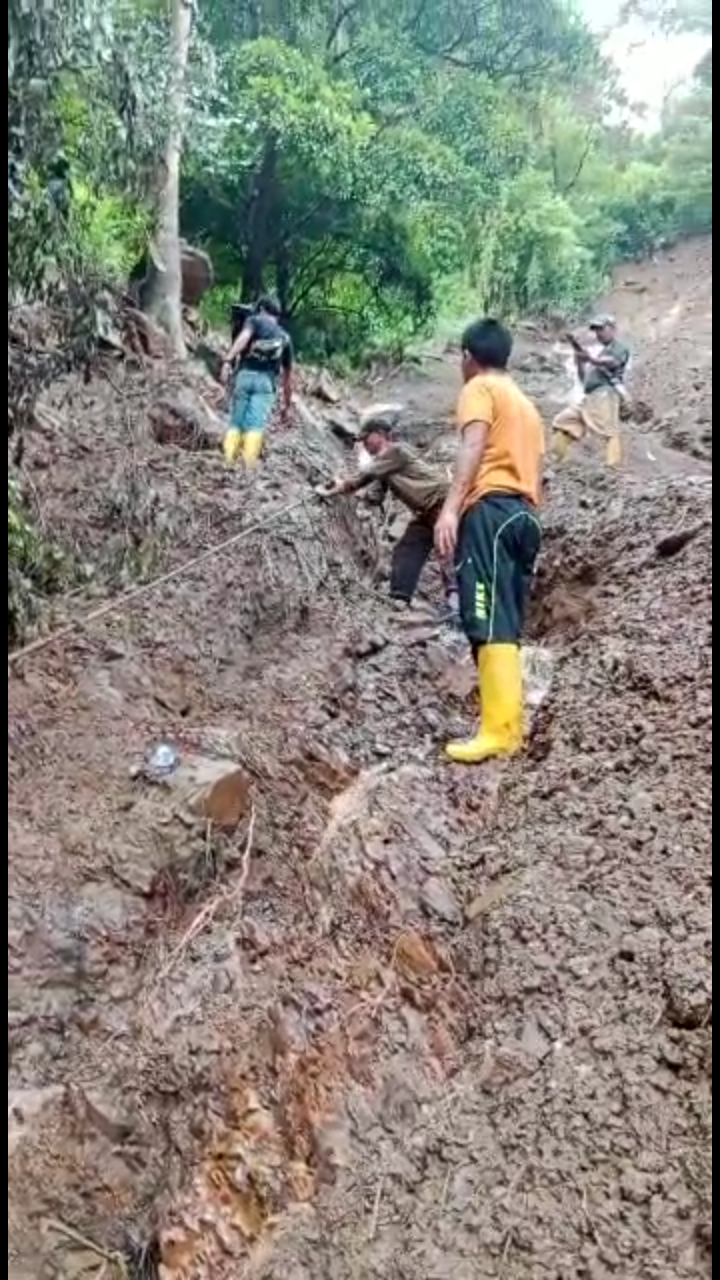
point(594, 377)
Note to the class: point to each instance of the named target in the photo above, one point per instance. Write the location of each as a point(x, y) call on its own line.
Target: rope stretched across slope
point(128, 597)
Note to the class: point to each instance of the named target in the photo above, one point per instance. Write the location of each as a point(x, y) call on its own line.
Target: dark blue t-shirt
point(270, 347)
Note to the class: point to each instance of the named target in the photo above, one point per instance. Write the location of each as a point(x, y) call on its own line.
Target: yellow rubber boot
point(501, 705)
point(232, 444)
point(613, 451)
point(560, 445)
point(252, 447)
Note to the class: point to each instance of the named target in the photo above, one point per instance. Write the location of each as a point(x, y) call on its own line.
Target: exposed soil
point(383, 1018)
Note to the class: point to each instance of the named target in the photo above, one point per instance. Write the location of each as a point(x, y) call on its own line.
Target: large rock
point(186, 422)
point(197, 274)
point(217, 790)
point(343, 425)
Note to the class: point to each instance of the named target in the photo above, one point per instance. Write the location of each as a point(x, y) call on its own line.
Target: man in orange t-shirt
point(489, 524)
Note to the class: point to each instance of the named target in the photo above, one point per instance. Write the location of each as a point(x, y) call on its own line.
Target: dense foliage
point(36, 567)
point(360, 158)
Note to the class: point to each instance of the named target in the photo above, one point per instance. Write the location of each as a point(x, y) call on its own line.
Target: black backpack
point(267, 350)
point(240, 313)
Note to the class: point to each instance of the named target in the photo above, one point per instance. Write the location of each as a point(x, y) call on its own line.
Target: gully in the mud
point(601, 371)
point(419, 486)
point(489, 524)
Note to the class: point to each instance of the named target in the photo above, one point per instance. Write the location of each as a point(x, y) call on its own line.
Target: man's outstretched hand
point(445, 533)
point(332, 490)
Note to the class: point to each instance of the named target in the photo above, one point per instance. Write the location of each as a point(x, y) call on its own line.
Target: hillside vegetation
point(355, 161)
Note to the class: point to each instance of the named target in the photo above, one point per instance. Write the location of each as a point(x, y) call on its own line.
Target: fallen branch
point(109, 1257)
point(372, 1231)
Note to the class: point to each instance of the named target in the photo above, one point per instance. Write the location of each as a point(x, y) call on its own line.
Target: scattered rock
point(438, 899)
point(689, 996)
point(26, 1108)
point(366, 646)
point(636, 1187)
point(324, 770)
point(101, 1113)
point(673, 543)
point(492, 896)
point(114, 650)
point(255, 938)
point(430, 850)
point(533, 1041)
point(171, 694)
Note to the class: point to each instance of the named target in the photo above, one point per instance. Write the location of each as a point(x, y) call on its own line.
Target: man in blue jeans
point(264, 355)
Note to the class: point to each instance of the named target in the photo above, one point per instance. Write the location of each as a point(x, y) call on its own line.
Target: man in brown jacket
point(420, 486)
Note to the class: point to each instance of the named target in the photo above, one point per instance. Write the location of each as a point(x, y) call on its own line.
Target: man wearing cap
point(421, 487)
point(601, 372)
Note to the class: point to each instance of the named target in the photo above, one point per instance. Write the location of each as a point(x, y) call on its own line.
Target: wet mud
point(322, 1006)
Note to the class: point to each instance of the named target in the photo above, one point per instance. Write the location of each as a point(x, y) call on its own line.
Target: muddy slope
point(403, 1020)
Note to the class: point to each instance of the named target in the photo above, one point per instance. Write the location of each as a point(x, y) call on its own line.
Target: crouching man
point(489, 523)
point(421, 487)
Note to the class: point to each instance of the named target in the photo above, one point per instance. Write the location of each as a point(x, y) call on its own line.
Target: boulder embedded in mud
point(208, 355)
point(196, 269)
point(197, 274)
point(343, 425)
point(323, 388)
point(215, 790)
point(186, 423)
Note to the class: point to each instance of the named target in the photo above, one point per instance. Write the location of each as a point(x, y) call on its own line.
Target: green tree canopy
point(360, 158)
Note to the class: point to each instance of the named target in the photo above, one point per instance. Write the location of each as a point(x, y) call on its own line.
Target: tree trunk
point(282, 280)
point(257, 228)
point(164, 300)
